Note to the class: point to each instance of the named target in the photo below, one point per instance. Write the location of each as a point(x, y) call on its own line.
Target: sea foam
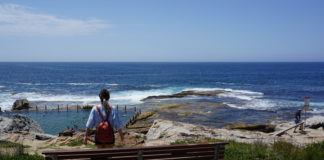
point(119, 97)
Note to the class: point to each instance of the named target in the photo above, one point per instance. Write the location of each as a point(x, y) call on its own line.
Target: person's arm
point(121, 134)
point(85, 138)
point(118, 124)
point(90, 124)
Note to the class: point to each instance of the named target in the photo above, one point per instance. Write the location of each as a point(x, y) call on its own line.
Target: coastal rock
point(19, 123)
point(315, 122)
point(186, 93)
point(164, 132)
point(142, 122)
point(68, 132)
point(20, 104)
point(252, 127)
point(40, 136)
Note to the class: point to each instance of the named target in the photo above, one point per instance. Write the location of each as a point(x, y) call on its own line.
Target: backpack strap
point(101, 116)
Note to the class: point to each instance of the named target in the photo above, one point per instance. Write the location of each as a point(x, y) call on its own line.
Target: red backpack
point(104, 131)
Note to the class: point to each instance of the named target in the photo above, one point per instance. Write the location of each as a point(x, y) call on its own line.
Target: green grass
point(261, 151)
point(11, 145)
point(87, 107)
point(207, 140)
point(15, 151)
point(20, 157)
point(74, 143)
point(78, 143)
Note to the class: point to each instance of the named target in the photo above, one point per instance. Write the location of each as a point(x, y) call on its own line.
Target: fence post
point(36, 108)
point(77, 108)
point(45, 108)
point(117, 107)
point(125, 109)
point(58, 107)
point(67, 107)
point(135, 109)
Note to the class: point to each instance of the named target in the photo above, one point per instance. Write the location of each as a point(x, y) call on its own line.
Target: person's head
point(104, 95)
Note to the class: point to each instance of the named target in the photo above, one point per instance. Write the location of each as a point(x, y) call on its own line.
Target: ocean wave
point(7, 99)
point(257, 104)
point(2, 86)
point(202, 89)
point(87, 84)
point(241, 94)
point(119, 97)
point(231, 93)
point(225, 83)
point(135, 96)
point(79, 84)
point(72, 84)
point(30, 84)
point(316, 111)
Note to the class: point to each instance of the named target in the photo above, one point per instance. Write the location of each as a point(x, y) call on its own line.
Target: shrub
point(258, 150)
point(87, 107)
point(20, 157)
point(7, 144)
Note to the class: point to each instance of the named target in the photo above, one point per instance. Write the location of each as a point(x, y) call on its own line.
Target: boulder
point(20, 104)
point(164, 132)
point(68, 132)
point(315, 122)
point(41, 136)
point(252, 127)
point(186, 93)
point(19, 123)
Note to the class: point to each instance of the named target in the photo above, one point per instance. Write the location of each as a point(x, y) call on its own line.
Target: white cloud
point(17, 20)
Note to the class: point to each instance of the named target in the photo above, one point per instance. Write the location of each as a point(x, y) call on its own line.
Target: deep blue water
point(254, 87)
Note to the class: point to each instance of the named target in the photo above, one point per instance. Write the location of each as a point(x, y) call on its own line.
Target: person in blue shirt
point(94, 118)
point(298, 120)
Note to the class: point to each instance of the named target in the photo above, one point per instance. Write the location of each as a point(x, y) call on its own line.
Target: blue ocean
point(256, 92)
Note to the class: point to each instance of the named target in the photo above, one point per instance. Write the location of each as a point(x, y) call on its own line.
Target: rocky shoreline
point(148, 130)
point(186, 93)
point(162, 125)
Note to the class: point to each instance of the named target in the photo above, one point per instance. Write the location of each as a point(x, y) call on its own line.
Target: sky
point(162, 31)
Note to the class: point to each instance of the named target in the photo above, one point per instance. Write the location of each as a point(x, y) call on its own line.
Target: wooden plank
point(156, 152)
point(178, 150)
point(135, 148)
point(285, 130)
point(134, 153)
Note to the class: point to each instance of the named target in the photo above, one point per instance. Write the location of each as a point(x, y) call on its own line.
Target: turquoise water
point(53, 122)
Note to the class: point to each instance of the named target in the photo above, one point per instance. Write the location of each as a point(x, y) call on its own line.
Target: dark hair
point(104, 94)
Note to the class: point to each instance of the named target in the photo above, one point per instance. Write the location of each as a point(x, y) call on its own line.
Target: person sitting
point(105, 118)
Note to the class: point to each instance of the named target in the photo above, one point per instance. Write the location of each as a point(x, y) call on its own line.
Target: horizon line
point(161, 61)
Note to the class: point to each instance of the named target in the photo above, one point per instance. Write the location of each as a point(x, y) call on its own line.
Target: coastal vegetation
point(15, 151)
point(87, 107)
point(20, 157)
point(79, 142)
point(278, 151)
point(7, 144)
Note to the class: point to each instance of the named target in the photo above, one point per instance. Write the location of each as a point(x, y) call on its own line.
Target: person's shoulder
point(113, 107)
point(94, 108)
